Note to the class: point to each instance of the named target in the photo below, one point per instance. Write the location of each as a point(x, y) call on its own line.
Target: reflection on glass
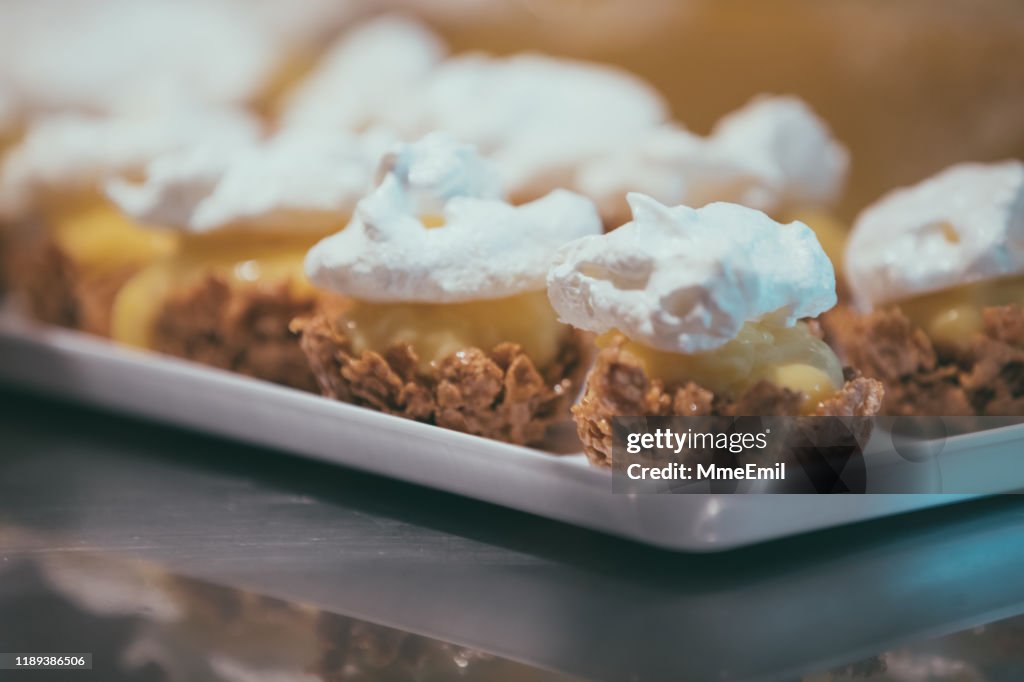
point(141, 623)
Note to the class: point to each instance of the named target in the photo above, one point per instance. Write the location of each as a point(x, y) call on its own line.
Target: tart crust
point(58, 291)
point(618, 385)
point(240, 328)
point(923, 378)
point(500, 394)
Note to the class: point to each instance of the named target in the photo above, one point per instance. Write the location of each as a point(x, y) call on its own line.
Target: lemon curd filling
point(789, 357)
point(98, 237)
point(242, 257)
point(436, 330)
point(952, 316)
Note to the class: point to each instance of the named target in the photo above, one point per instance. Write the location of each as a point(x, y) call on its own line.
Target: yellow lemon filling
point(436, 330)
point(790, 357)
point(432, 221)
point(97, 236)
point(266, 259)
point(953, 316)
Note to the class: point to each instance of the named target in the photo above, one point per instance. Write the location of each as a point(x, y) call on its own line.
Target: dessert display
point(935, 271)
point(245, 215)
point(69, 249)
point(373, 215)
point(448, 321)
point(699, 313)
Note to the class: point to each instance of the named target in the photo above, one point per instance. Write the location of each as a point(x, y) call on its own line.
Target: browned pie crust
point(618, 385)
point(58, 291)
point(500, 394)
point(240, 328)
point(922, 378)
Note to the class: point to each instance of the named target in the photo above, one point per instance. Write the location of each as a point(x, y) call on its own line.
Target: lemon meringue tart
point(937, 276)
point(699, 313)
point(448, 322)
point(245, 215)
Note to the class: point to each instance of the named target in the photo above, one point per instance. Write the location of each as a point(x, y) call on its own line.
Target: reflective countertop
point(175, 556)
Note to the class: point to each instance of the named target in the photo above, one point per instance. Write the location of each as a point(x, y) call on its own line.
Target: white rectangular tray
point(563, 487)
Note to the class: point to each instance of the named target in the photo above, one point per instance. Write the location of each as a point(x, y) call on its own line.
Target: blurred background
point(910, 86)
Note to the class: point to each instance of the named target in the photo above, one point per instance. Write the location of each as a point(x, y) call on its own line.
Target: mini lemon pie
point(246, 218)
point(698, 312)
point(774, 154)
point(937, 275)
point(449, 322)
point(70, 248)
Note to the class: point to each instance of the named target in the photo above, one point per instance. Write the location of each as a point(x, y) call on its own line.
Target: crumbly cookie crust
point(923, 378)
point(58, 291)
point(618, 385)
point(499, 394)
point(240, 328)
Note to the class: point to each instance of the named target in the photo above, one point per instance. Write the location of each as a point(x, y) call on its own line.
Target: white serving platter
point(563, 487)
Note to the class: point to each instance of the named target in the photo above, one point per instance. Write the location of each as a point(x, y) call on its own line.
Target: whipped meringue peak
point(367, 76)
point(963, 225)
point(298, 180)
point(433, 171)
point(70, 153)
point(774, 154)
point(538, 117)
point(788, 148)
point(686, 280)
point(436, 230)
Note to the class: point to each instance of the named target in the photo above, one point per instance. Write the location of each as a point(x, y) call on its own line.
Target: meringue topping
point(365, 77)
point(538, 118)
point(484, 247)
point(74, 153)
point(774, 154)
point(687, 280)
point(295, 181)
point(962, 226)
